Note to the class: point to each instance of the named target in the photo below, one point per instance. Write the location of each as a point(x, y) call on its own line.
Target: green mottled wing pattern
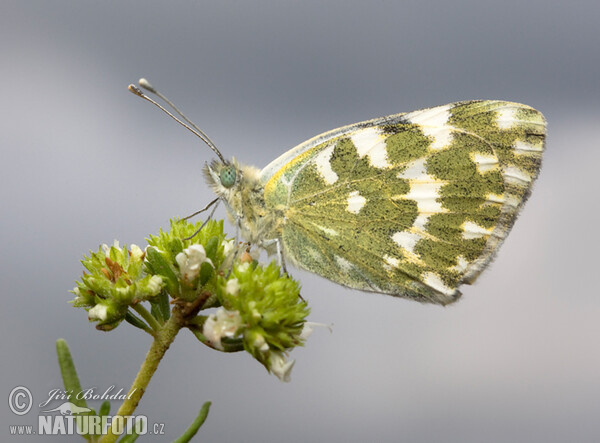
point(411, 205)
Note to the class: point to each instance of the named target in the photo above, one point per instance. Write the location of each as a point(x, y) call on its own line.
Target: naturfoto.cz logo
point(68, 418)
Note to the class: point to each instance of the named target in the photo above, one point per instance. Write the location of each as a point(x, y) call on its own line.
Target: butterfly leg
point(280, 259)
point(237, 243)
point(280, 256)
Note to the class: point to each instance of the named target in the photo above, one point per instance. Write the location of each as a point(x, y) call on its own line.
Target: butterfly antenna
point(216, 200)
point(193, 128)
point(145, 84)
point(205, 221)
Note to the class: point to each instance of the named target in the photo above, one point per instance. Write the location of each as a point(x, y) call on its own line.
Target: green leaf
point(211, 248)
point(195, 426)
point(206, 272)
point(104, 409)
point(160, 308)
point(69, 376)
point(136, 321)
point(129, 438)
point(68, 372)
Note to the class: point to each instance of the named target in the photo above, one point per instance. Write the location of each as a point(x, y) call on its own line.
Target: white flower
point(228, 247)
point(155, 284)
point(232, 286)
point(106, 248)
point(122, 292)
point(98, 312)
point(190, 260)
point(221, 324)
point(136, 252)
point(255, 312)
point(260, 343)
point(244, 267)
point(309, 327)
point(281, 367)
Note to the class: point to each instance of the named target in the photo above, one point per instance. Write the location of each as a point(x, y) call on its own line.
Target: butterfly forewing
point(411, 205)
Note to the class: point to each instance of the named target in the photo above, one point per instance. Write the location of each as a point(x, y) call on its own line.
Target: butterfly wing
point(411, 205)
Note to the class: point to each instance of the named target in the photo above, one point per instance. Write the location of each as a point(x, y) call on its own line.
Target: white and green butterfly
point(411, 205)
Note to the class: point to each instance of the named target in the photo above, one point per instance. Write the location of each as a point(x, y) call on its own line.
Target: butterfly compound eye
point(228, 176)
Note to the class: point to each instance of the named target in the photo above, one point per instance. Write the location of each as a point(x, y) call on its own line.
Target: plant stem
point(147, 316)
point(181, 315)
point(162, 340)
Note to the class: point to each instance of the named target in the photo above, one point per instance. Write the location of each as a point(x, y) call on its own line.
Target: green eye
point(228, 176)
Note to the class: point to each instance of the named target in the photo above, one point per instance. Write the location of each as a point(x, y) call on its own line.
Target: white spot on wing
point(513, 201)
point(473, 230)
point(327, 230)
point(421, 221)
point(484, 162)
point(355, 202)
point(434, 124)
point(516, 176)
point(461, 264)
point(522, 147)
point(343, 264)
point(442, 137)
point(495, 198)
point(506, 118)
point(426, 194)
point(406, 240)
point(415, 170)
point(424, 190)
point(391, 262)
point(315, 255)
point(437, 116)
point(434, 281)
point(323, 163)
point(371, 143)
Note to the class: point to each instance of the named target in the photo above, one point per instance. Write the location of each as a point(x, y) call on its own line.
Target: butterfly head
point(234, 183)
point(223, 177)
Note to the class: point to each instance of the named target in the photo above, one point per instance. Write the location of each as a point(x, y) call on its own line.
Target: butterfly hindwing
point(411, 205)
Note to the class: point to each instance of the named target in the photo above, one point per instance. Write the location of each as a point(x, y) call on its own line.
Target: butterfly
point(411, 205)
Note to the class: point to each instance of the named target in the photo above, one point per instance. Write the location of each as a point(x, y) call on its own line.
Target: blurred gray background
point(85, 162)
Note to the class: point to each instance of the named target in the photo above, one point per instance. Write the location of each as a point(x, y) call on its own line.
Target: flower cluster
point(115, 280)
point(264, 309)
point(187, 265)
point(258, 309)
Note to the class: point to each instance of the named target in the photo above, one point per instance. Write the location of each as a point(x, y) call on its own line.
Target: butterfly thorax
point(240, 188)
